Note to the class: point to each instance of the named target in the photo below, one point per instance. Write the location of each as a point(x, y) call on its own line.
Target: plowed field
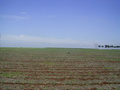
point(59, 69)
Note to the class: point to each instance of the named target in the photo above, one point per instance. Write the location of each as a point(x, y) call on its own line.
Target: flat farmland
point(59, 69)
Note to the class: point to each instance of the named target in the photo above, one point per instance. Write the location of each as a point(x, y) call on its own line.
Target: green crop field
point(59, 69)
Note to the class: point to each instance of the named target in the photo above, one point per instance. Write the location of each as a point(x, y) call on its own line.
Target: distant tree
point(99, 46)
point(106, 46)
point(111, 46)
point(102, 46)
point(114, 46)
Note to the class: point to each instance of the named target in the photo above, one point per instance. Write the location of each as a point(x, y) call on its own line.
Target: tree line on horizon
point(108, 46)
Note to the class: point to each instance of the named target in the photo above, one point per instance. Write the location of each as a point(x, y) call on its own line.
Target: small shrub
point(68, 52)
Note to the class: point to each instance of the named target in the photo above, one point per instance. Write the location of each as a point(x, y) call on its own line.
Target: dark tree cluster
point(108, 46)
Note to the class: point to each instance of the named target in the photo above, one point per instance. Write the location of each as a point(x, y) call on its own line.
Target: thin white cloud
point(23, 13)
point(48, 42)
point(14, 17)
point(51, 16)
point(39, 39)
point(48, 16)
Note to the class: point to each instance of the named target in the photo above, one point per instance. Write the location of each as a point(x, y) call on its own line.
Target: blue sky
point(59, 23)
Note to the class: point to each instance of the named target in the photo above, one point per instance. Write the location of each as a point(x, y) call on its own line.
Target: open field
point(59, 69)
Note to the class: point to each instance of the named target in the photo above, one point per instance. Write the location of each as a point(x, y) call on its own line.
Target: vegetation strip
point(103, 83)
